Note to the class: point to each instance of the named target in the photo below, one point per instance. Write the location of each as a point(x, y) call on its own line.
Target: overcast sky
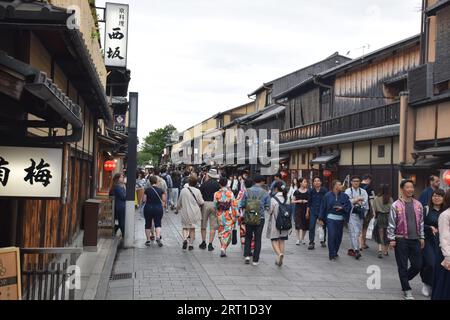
point(190, 59)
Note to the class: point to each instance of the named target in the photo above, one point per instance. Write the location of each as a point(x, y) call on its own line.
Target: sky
point(190, 59)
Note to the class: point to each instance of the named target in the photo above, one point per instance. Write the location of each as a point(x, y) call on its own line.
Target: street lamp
point(131, 169)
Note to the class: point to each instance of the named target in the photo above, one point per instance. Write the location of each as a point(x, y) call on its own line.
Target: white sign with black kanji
point(30, 172)
point(116, 35)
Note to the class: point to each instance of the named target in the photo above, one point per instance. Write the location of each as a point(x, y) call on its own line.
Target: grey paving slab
point(174, 274)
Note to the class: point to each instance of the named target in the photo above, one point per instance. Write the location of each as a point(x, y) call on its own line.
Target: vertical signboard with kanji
point(116, 35)
point(10, 285)
point(30, 172)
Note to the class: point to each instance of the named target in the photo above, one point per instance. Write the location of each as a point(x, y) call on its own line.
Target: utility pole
point(131, 169)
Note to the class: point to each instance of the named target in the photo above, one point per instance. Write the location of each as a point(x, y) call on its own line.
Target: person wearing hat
point(208, 188)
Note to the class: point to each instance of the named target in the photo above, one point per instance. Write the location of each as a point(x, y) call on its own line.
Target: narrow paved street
point(173, 274)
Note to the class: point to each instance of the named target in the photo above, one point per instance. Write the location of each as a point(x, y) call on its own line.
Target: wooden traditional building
point(192, 147)
point(52, 94)
point(270, 114)
point(347, 119)
point(425, 109)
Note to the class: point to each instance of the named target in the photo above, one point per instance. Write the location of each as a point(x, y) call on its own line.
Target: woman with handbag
point(227, 213)
point(155, 202)
point(382, 206)
point(300, 200)
point(189, 207)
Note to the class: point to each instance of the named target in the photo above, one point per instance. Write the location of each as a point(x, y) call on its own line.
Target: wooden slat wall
point(50, 223)
point(367, 82)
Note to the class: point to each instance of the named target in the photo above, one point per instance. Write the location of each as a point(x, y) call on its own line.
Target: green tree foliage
point(153, 145)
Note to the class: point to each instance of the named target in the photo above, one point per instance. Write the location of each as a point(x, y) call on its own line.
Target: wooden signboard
point(10, 285)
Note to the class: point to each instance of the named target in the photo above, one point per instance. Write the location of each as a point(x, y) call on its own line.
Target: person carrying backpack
point(255, 203)
point(280, 221)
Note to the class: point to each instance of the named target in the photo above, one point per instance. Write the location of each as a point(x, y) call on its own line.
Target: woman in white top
point(188, 206)
point(278, 237)
point(292, 189)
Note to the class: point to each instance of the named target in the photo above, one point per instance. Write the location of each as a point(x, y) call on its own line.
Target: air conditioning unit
point(420, 83)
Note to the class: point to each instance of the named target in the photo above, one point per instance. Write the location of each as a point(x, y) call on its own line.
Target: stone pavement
point(169, 273)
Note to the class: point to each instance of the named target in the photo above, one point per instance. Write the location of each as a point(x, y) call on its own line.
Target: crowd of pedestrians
point(418, 231)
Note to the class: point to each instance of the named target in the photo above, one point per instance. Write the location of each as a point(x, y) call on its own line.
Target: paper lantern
point(446, 177)
point(327, 173)
point(110, 165)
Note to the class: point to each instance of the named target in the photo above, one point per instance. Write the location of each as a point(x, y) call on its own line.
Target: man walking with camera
point(360, 206)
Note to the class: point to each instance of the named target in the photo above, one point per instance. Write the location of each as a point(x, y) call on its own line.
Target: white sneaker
point(407, 295)
point(298, 242)
point(426, 290)
point(255, 264)
point(247, 260)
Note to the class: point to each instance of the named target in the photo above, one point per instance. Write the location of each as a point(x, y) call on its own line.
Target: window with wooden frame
point(381, 151)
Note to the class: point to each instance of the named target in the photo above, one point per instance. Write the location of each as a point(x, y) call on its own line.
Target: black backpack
point(284, 217)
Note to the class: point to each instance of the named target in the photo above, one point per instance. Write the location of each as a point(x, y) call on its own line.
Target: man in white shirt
point(360, 206)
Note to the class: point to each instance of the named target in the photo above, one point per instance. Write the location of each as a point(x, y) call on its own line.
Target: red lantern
point(327, 173)
point(446, 177)
point(110, 165)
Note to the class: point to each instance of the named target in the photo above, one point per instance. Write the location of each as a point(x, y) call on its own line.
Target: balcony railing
point(367, 119)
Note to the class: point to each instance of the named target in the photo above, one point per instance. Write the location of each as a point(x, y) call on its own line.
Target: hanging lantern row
point(110, 165)
point(446, 177)
point(327, 173)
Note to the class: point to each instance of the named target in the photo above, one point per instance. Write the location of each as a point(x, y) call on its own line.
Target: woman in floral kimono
point(227, 213)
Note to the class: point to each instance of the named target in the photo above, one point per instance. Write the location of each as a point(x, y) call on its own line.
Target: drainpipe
point(403, 139)
point(403, 126)
point(423, 35)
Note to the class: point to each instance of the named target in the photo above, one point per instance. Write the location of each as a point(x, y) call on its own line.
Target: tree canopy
point(153, 145)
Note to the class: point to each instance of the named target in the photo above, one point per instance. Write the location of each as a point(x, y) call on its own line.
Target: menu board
point(10, 286)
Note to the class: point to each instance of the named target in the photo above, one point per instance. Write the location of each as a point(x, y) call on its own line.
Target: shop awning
point(118, 81)
point(439, 5)
point(120, 105)
point(427, 164)
point(28, 83)
point(325, 159)
point(282, 157)
point(435, 151)
point(122, 138)
point(108, 140)
point(49, 24)
point(269, 113)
